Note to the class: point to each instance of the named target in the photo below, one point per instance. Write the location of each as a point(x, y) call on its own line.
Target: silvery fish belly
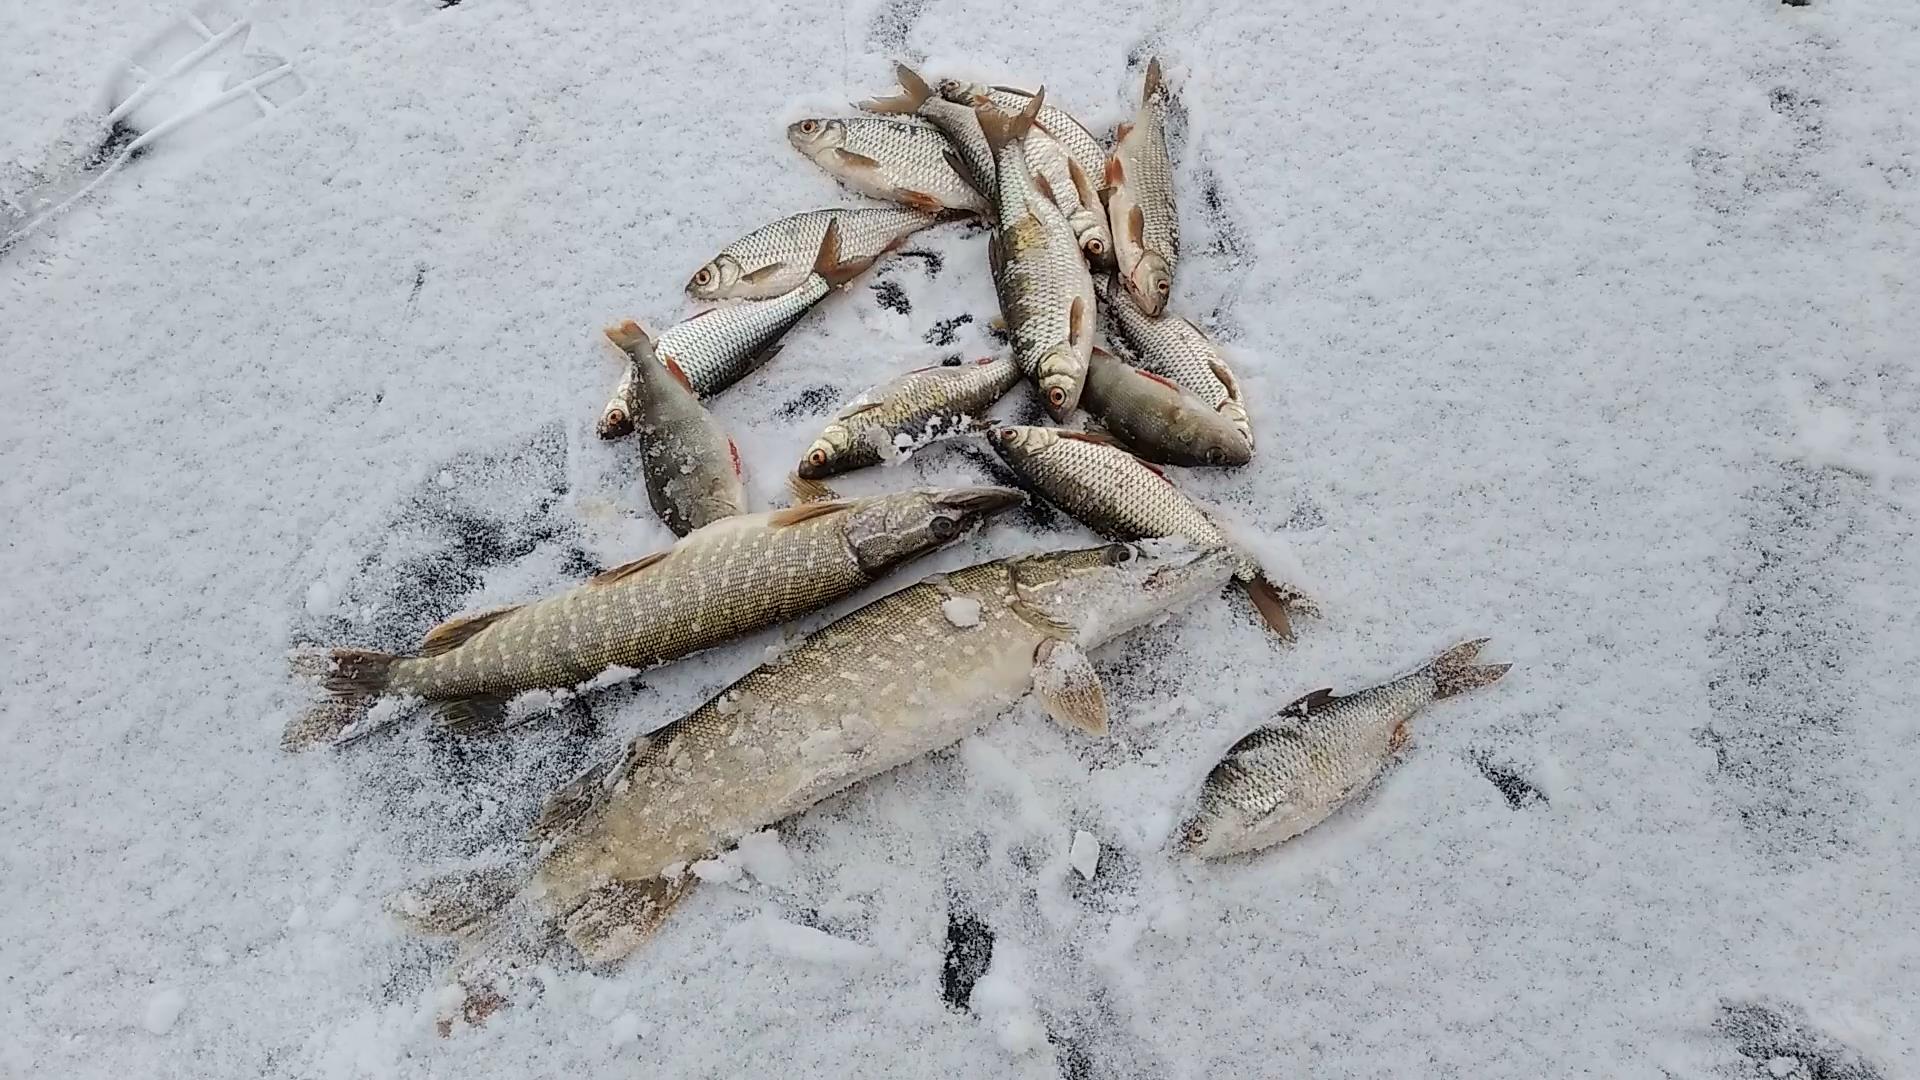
point(896, 679)
point(1046, 294)
point(887, 423)
point(1140, 204)
point(896, 160)
point(733, 577)
point(1158, 419)
point(1173, 347)
point(720, 346)
point(1287, 776)
point(778, 258)
point(1070, 133)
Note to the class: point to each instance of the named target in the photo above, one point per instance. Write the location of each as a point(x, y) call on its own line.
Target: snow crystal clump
point(961, 611)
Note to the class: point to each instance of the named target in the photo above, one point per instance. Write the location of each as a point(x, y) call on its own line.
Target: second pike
point(1121, 497)
point(731, 578)
point(1046, 293)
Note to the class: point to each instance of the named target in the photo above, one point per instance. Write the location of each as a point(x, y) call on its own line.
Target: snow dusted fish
point(692, 467)
point(1140, 207)
point(895, 160)
point(1074, 192)
point(888, 422)
point(777, 258)
point(901, 677)
point(1158, 419)
point(1285, 777)
point(733, 577)
point(1123, 498)
point(1071, 134)
point(1173, 347)
point(722, 345)
point(1045, 291)
point(972, 158)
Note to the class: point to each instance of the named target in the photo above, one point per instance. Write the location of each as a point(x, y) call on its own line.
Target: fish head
point(827, 456)
point(814, 136)
point(889, 530)
point(616, 421)
point(1225, 823)
point(1096, 242)
point(961, 91)
point(1104, 592)
point(1207, 437)
point(1061, 371)
point(1018, 443)
point(712, 281)
point(1150, 283)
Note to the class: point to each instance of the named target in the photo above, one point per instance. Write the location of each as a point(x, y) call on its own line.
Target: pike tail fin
point(620, 916)
point(350, 680)
point(454, 903)
point(1454, 671)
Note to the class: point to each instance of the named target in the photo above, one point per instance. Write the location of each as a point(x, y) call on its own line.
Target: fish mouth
point(982, 501)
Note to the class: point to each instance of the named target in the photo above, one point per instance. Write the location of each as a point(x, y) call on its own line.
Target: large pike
point(691, 466)
point(720, 346)
point(896, 160)
point(1158, 419)
point(776, 259)
point(1173, 347)
point(1045, 291)
point(733, 577)
point(901, 677)
point(1287, 776)
point(1140, 206)
point(888, 422)
point(1123, 498)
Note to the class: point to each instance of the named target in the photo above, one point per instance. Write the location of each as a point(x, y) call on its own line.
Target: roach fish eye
point(1163, 286)
point(1057, 396)
point(703, 277)
point(808, 127)
point(817, 457)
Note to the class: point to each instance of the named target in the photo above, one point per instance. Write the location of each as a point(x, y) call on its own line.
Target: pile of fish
point(1083, 243)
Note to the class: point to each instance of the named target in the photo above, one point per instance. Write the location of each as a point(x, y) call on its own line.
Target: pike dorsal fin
point(794, 515)
point(627, 570)
point(455, 632)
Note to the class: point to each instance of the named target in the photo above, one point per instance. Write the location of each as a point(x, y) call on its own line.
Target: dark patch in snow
point(1116, 877)
point(419, 281)
point(1796, 3)
point(445, 4)
point(813, 401)
point(891, 296)
point(1515, 787)
point(998, 332)
point(932, 262)
point(1767, 1030)
point(576, 563)
point(951, 360)
point(1228, 238)
point(1072, 1058)
point(969, 952)
point(1780, 708)
point(943, 333)
point(891, 24)
point(118, 137)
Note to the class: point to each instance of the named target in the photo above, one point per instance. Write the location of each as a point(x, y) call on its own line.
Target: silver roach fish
point(1071, 134)
point(1045, 291)
point(778, 258)
point(899, 678)
point(1158, 419)
point(1073, 191)
point(889, 422)
point(1173, 347)
point(1139, 187)
point(736, 576)
point(1287, 776)
point(896, 160)
point(722, 345)
point(692, 467)
point(1121, 497)
point(969, 154)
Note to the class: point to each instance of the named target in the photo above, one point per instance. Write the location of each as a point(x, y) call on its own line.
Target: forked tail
point(1454, 671)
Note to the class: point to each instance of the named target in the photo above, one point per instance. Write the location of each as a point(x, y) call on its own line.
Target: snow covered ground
point(1590, 327)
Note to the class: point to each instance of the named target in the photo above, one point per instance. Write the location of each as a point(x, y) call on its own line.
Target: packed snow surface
point(1586, 327)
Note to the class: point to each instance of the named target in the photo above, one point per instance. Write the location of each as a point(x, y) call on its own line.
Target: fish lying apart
point(733, 577)
point(905, 675)
point(1286, 777)
point(1121, 497)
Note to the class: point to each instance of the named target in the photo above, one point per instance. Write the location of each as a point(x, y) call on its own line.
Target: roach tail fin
point(1454, 671)
point(350, 679)
point(1003, 128)
point(914, 93)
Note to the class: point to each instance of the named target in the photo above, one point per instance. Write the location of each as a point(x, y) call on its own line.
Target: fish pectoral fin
point(627, 570)
point(620, 916)
point(920, 200)
point(456, 631)
point(1307, 704)
point(995, 257)
point(851, 160)
point(479, 714)
point(765, 273)
point(1068, 687)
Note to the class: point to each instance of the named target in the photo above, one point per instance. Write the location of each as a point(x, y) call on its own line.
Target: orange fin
point(629, 337)
point(455, 632)
point(764, 273)
point(1273, 607)
point(1045, 189)
point(1161, 379)
point(674, 369)
point(627, 570)
point(855, 161)
point(830, 266)
point(1093, 437)
point(920, 200)
point(1137, 226)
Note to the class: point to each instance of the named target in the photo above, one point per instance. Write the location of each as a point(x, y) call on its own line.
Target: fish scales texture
point(778, 258)
point(898, 160)
point(1104, 487)
point(883, 685)
point(1085, 216)
point(1141, 207)
point(735, 576)
point(1159, 419)
point(1071, 134)
point(1172, 347)
point(922, 404)
point(691, 467)
point(721, 346)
